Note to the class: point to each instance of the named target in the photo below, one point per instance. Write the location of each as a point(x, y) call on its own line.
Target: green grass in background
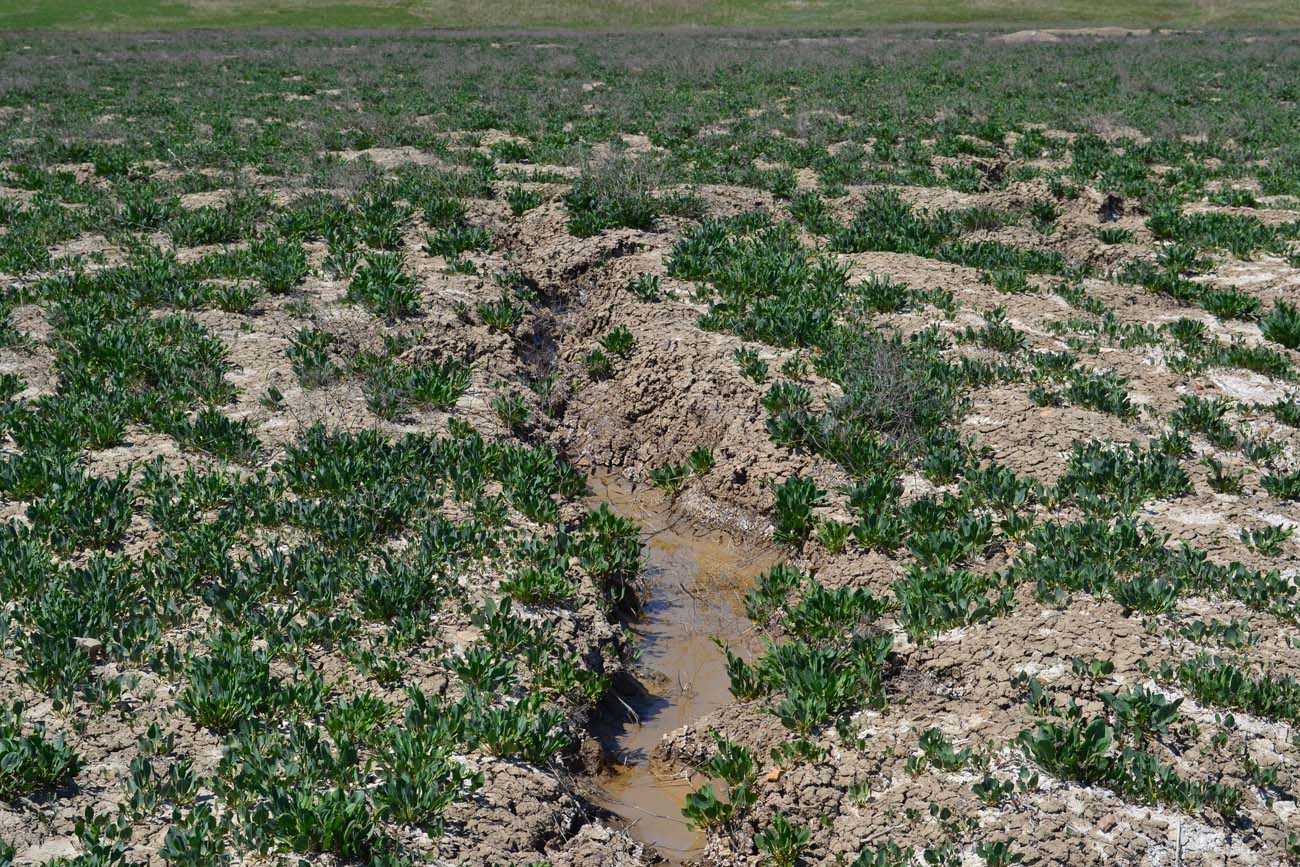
point(616, 14)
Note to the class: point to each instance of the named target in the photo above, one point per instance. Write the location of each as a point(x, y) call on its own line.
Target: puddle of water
point(695, 582)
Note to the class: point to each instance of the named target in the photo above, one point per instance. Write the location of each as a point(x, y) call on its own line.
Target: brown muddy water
point(695, 582)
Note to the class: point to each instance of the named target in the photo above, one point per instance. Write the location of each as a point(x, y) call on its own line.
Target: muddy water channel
point(694, 587)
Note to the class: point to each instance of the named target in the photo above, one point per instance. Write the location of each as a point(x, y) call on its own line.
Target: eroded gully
point(694, 587)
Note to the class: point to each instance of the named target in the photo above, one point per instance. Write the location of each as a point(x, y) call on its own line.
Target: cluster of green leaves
point(390, 387)
point(764, 285)
point(769, 288)
point(1227, 682)
point(737, 769)
point(30, 761)
point(1093, 751)
point(1206, 415)
point(1137, 567)
point(1109, 478)
point(1105, 392)
point(1198, 350)
point(345, 496)
point(887, 223)
point(621, 192)
point(1191, 235)
point(937, 751)
point(606, 546)
point(831, 662)
point(936, 598)
point(671, 478)
point(296, 791)
point(1242, 235)
point(782, 842)
point(383, 285)
point(232, 221)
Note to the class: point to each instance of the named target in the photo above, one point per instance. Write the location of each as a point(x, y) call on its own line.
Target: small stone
point(91, 647)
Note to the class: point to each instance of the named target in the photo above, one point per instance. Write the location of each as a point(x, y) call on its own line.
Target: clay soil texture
point(356, 388)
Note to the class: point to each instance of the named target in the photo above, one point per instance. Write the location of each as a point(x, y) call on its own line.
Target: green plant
point(617, 193)
point(229, 686)
point(1082, 750)
point(737, 768)
point(420, 778)
point(646, 287)
point(83, 511)
point(771, 592)
point(810, 209)
point(1221, 479)
point(1104, 392)
point(1116, 478)
point(280, 264)
point(598, 365)
point(1232, 633)
point(751, 365)
point(1267, 540)
point(455, 239)
point(1143, 712)
point(701, 460)
point(998, 854)
point(825, 615)
point(1234, 197)
point(212, 431)
point(938, 751)
point(1286, 410)
point(522, 200)
point(1285, 485)
point(511, 410)
point(1261, 450)
point(1231, 304)
point(833, 534)
point(523, 729)
point(1146, 595)
point(796, 498)
point(390, 388)
point(782, 842)
point(546, 584)
point(31, 761)
point(1227, 682)
point(1114, 235)
point(670, 478)
point(887, 854)
point(880, 294)
point(785, 396)
point(991, 790)
point(237, 297)
point(197, 840)
point(1009, 281)
point(308, 352)
point(619, 342)
point(997, 333)
point(859, 793)
point(442, 210)
point(361, 718)
point(1282, 325)
point(1093, 669)
point(502, 314)
point(1206, 415)
point(934, 598)
point(384, 287)
point(380, 218)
